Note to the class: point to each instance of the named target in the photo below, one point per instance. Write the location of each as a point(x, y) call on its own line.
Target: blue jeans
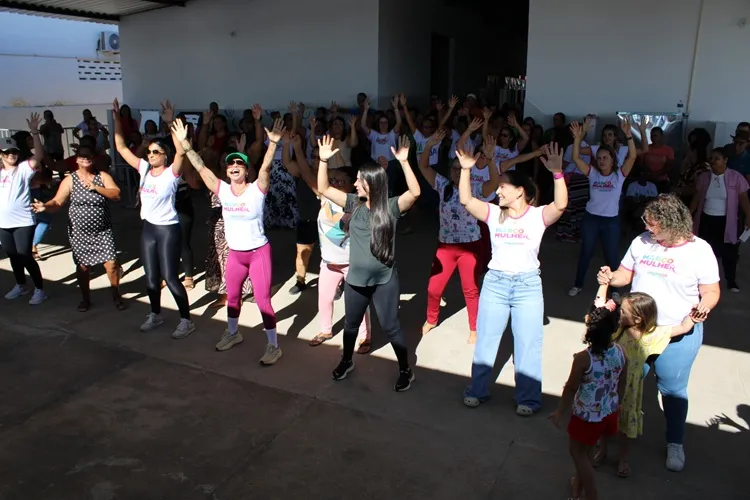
point(518, 296)
point(593, 228)
point(42, 226)
point(672, 369)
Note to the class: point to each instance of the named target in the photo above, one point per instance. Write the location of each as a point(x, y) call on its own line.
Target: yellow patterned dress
point(637, 352)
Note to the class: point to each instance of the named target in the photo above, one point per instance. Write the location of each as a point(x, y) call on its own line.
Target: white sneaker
point(185, 328)
point(675, 457)
point(16, 292)
point(272, 355)
point(153, 320)
point(228, 340)
point(38, 297)
point(574, 291)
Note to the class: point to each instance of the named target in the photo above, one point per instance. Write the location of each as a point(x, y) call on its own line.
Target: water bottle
point(680, 108)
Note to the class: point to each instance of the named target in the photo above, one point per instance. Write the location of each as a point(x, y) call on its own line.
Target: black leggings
point(712, 230)
point(17, 243)
point(186, 227)
point(160, 252)
point(385, 299)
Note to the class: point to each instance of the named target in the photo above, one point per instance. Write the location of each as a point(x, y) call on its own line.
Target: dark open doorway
point(440, 65)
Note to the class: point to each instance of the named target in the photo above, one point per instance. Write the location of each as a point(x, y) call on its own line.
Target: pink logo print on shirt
point(235, 207)
point(508, 233)
point(603, 185)
point(658, 262)
point(148, 189)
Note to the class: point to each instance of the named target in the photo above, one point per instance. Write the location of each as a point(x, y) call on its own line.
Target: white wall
point(239, 53)
point(38, 61)
point(585, 57)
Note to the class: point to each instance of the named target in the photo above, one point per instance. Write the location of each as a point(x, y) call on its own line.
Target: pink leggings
point(330, 278)
point(255, 264)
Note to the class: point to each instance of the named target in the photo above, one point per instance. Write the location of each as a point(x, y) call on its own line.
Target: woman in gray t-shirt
point(372, 247)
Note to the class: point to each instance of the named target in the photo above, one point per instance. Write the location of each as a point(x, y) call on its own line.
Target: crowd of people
point(495, 181)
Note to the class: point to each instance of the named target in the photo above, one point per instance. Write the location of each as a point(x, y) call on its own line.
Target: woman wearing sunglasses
point(89, 223)
point(242, 205)
point(16, 219)
point(161, 246)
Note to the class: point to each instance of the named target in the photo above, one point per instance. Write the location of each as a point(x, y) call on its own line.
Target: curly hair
point(601, 326)
point(672, 216)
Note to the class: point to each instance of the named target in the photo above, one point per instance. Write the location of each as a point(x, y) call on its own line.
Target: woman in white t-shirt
point(459, 235)
point(512, 287)
point(242, 205)
point(385, 138)
point(601, 222)
point(680, 271)
point(16, 218)
point(161, 236)
point(508, 146)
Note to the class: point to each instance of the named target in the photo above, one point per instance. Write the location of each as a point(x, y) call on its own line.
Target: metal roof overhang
point(106, 11)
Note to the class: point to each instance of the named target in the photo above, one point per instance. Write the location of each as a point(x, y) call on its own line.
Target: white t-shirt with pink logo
point(671, 275)
point(15, 196)
point(457, 225)
point(455, 137)
point(605, 191)
point(515, 241)
point(380, 144)
point(502, 154)
point(622, 154)
point(157, 194)
point(421, 141)
point(243, 217)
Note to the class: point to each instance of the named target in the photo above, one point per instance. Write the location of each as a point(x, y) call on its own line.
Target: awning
point(108, 11)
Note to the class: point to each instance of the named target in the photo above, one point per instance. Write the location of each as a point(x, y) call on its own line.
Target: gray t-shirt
point(364, 268)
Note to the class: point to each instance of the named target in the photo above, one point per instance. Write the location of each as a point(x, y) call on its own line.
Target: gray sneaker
point(228, 340)
point(152, 321)
point(272, 355)
point(16, 292)
point(38, 297)
point(185, 328)
point(675, 457)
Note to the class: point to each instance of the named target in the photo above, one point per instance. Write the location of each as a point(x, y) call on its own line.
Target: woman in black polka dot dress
point(89, 223)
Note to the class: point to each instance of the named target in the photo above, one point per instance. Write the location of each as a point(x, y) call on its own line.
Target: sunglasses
point(155, 152)
point(237, 161)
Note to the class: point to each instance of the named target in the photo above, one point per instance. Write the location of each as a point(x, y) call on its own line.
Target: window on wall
point(92, 70)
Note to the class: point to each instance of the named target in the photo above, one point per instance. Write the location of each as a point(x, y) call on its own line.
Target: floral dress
point(637, 352)
point(281, 200)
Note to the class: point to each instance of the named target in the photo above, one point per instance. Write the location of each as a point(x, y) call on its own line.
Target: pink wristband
point(558, 175)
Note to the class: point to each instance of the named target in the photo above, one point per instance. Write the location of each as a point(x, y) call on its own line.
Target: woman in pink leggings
point(249, 251)
point(333, 238)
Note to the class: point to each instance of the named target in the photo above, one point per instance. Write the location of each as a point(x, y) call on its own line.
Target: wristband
point(558, 175)
point(273, 142)
point(629, 138)
point(321, 160)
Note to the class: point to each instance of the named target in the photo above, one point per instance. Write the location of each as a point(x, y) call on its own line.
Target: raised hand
point(587, 123)
point(167, 111)
point(452, 102)
point(475, 124)
point(208, 117)
point(435, 138)
point(334, 107)
point(292, 107)
point(367, 103)
point(403, 149)
point(402, 100)
point(352, 121)
point(553, 161)
point(487, 113)
point(296, 141)
point(488, 147)
point(512, 121)
point(576, 130)
point(467, 158)
point(301, 108)
point(394, 102)
point(277, 132)
point(116, 109)
point(325, 148)
point(257, 112)
point(38, 206)
point(625, 126)
point(33, 122)
point(179, 129)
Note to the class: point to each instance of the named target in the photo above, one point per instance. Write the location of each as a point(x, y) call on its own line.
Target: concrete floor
point(90, 408)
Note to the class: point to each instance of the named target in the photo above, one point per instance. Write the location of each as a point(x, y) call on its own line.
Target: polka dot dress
point(90, 225)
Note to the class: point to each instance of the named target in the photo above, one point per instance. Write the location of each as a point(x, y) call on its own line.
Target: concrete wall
point(638, 56)
point(242, 52)
point(39, 64)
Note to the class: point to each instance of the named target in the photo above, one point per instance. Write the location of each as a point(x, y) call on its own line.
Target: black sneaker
point(733, 287)
point(339, 291)
point(343, 369)
point(298, 288)
point(405, 378)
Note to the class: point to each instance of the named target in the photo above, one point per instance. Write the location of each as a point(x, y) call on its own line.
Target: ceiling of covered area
point(91, 10)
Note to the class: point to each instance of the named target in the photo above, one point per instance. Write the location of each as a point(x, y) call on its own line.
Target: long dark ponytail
point(382, 225)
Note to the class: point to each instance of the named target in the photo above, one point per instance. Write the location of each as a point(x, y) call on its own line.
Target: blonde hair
point(672, 216)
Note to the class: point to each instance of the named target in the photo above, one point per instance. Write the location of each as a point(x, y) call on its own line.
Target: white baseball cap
point(7, 143)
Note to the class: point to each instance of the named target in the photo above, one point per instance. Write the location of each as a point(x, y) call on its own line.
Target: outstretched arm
point(120, 144)
point(325, 152)
point(167, 117)
point(179, 132)
point(264, 172)
point(428, 172)
point(627, 166)
point(406, 200)
point(366, 109)
point(397, 113)
point(33, 123)
point(552, 159)
point(491, 184)
point(407, 115)
point(56, 203)
point(477, 208)
point(578, 132)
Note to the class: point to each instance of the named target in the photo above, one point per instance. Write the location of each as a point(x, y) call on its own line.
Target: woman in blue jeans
point(679, 270)
point(602, 218)
point(512, 287)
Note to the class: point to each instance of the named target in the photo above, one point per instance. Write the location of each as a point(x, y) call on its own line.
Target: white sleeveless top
point(157, 195)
